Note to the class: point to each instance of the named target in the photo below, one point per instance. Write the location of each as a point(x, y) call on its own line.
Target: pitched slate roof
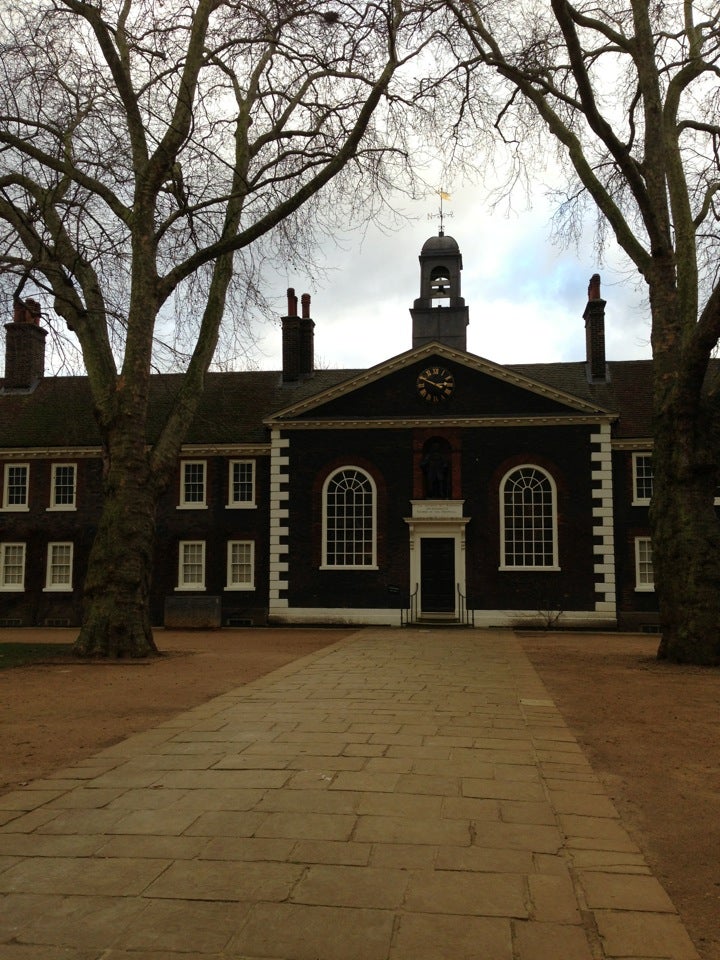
point(58, 412)
point(627, 392)
point(234, 405)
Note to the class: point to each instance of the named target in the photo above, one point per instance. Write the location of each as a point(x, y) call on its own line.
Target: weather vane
point(442, 213)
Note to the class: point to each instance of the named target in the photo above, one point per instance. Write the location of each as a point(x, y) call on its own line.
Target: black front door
point(437, 574)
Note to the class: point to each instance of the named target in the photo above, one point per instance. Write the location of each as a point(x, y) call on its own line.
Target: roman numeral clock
point(435, 384)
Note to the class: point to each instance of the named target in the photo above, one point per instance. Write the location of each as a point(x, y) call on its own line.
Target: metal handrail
point(409, 615)
point(466, 615)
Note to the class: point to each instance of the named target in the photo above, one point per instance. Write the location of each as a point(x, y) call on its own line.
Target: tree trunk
point(116, 613)
point(686, 536)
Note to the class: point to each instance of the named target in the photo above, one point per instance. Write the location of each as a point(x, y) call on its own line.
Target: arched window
point(349, 519)
point(528, 520)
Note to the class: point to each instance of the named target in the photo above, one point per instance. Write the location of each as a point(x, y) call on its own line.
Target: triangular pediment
point(475, 388)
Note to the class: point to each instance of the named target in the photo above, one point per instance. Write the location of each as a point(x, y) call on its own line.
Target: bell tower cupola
point(440, 313)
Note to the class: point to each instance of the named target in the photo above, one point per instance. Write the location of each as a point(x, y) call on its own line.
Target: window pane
point(645, 573)
point(60, 564)
point(194, 483)
point(241, 563)
point(16, 491)
point(192, 563)
point(349, 513)
point(643, 476)
point(64, 486)
point(242, 481)
point(529, 519)
point(13, 564)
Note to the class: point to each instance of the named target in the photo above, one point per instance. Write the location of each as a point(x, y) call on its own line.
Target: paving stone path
point(402, 795)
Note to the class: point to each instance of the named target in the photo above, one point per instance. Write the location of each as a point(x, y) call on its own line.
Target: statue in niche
point(436, 471)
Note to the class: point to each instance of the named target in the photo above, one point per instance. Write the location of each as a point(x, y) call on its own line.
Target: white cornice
point(88, 453)
point(49, 453)
point(225, 449)
point(420, 422)
point(633, 443)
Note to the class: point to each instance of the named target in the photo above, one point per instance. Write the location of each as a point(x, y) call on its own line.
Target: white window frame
point(54, 505)
point(183, 562)
point(638, 501)
point(236, 504)
point(12, 587)
point(64, 586)
point(371, 564)
point(534, 567)
point(16, 507)
point(184, 503)
point(642, 583)
point(246, 584)
point(637, 457)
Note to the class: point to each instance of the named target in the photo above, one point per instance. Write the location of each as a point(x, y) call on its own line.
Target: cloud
point(526, 296)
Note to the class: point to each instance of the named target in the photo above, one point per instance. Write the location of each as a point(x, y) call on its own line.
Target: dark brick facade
point(483, 457)
point(436, 464)
point(357, 429)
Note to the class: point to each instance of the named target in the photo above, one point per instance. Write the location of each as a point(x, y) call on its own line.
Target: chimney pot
point(24, 346)
point(297, 340)
point(26, 311)
point(594, 317)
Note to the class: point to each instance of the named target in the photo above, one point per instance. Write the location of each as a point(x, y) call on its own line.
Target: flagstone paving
point(403, 795)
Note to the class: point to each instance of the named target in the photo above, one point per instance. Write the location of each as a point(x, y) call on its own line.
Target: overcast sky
point(526, 296)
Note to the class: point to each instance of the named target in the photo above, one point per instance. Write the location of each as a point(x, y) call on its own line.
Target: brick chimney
point(24, 347)
point(298, 352)
point(594, 317)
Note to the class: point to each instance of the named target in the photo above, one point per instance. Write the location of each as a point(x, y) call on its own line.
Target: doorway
point(437, 558)
point(437, 574)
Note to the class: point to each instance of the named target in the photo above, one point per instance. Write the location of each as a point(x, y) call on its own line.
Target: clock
point(435, 384)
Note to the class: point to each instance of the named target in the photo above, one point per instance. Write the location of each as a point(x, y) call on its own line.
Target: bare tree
point(145, 145)
point(629, 93)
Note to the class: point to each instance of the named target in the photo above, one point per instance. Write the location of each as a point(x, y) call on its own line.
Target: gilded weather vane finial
point(442, 213)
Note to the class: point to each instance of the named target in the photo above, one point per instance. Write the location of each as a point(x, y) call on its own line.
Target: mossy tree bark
point(683, 516)
point(686, 541)
point(687, 576)
point(116, 618)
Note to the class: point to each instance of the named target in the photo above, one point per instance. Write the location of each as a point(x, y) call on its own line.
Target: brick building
point(436, 485)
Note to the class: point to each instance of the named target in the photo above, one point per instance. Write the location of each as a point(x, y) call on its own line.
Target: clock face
point(435, 384)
